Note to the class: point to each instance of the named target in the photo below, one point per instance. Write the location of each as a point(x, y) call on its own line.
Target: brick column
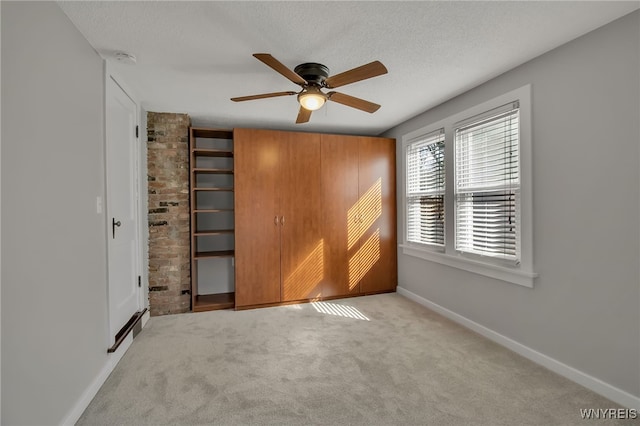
point(169, 240)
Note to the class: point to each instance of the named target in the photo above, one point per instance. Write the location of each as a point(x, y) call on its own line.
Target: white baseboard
point(596, 385)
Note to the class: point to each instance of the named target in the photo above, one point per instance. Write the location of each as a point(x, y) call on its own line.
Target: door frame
point(140, 191)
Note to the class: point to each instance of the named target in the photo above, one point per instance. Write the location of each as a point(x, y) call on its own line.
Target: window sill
point(514, 276)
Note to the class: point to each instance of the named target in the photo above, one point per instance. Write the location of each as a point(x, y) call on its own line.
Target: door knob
point(113, 226)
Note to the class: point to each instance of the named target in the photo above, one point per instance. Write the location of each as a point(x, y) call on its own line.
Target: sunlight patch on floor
point(339, 310)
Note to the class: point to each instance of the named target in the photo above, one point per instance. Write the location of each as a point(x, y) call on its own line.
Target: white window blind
point(425, 189)
point(487, 184)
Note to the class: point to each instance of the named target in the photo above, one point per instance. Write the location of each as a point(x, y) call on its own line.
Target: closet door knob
point(275, 220)
point(282, 220)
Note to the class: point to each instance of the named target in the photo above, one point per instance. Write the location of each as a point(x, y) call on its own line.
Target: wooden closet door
point(302, 248)
point(377, 201)
point(340, 227)
point(257, 234)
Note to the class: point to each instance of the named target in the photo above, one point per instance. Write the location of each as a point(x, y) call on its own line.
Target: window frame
point(521, 273)
point(435, 136)
point(507, 109)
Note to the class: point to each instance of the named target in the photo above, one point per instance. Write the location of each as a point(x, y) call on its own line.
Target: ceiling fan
point(313, 77)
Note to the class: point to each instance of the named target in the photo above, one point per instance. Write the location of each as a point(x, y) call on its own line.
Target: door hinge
point(139, 281)
point(136, 131)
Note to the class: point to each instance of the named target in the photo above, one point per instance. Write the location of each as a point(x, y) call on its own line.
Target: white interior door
point(121, 203)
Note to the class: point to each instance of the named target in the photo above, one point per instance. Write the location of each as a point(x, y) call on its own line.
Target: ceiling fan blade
point(303, 115)
point(280, 67)
point(262, 96)
point(353, 102)
point(372, 69)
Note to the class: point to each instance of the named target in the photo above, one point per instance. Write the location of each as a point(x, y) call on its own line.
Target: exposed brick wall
point(169, 240)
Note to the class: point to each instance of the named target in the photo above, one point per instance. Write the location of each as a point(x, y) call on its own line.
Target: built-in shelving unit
point(212, 219)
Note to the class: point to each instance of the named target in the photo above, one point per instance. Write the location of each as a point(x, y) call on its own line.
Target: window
point(468, 190)
point(425, 189)
point(487, 187)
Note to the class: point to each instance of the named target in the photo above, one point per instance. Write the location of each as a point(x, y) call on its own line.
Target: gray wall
point(584, 309)
point(54, 302)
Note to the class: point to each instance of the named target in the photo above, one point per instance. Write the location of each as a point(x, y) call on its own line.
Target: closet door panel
point(377, 199)
point(302, 248)
point(256, 203)
point(340, 227)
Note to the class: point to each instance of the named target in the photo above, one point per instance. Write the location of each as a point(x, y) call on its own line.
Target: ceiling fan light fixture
point(312, 99)
point(312, 77)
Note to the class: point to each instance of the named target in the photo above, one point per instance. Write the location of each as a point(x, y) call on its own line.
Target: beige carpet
point(376, 360)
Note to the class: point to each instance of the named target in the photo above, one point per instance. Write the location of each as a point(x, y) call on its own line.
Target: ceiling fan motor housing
point(312, 72)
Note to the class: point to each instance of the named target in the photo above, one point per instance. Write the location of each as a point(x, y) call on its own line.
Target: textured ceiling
point(193, 56)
